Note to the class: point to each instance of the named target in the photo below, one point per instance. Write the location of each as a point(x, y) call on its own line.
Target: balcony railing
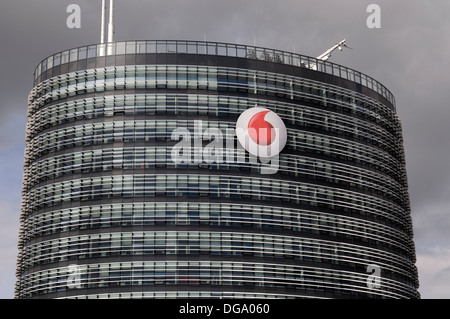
point(212, 48)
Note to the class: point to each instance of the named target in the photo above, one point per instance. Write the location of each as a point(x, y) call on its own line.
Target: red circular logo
point(261, 132)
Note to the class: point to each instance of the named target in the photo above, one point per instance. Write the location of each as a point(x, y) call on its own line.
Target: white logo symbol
point(261, 132)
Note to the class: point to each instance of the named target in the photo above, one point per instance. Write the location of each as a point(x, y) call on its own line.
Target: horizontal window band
point(219, 274)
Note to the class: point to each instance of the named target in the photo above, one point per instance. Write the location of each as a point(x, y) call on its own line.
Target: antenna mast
point(111, 22)
point(103, 21)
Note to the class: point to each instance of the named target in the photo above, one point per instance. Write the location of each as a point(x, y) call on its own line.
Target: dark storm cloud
point(409, 54)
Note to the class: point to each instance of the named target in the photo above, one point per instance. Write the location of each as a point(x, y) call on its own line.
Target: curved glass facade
point(108, 213)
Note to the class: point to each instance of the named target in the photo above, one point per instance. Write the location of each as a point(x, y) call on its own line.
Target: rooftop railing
point(212, 48)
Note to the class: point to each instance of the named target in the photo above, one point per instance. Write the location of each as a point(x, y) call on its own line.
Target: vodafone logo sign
point(261, 132)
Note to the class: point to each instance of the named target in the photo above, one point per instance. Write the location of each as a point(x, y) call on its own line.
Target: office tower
point(109, 211)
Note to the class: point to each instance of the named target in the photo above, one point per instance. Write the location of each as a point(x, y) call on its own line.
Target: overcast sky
point(409, 54)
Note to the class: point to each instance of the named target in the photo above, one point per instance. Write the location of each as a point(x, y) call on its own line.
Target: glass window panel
point(57, 59)
point(260, 55)
point(336, 71)
point(73, 55)
point(201, 48)
point(358, 77)
point(241, 51)
point(321, 66)
point(101, 49)
point(140, 47)
point(111, 48)
point(277, 56)
point(120, 48)
point(151, 47)
point(171, 47)
point(231, 50)
point(181, 47)
point(82, 53)
point(65, 57)
point(350, 75)
point(50, 62)
point(92, 51)
point(363, 79)
point(212, 49)
point(268, 55)
point(131, 47)
point(329, 68)
point(192, 47)
point(221, 49)
point(288, 58)
point(343, 72)
point(161, 47)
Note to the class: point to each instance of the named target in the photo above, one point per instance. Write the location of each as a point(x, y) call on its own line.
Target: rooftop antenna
point(111, 22)
point(326, 55)
point(103, 21)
